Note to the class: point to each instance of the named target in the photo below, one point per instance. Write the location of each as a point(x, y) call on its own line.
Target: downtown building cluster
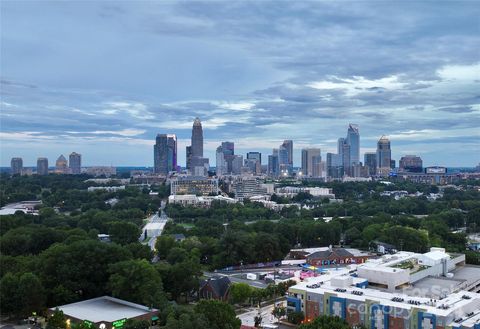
point(346, 163)
point(62, 166)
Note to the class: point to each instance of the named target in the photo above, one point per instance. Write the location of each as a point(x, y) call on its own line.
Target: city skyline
point(104, 79)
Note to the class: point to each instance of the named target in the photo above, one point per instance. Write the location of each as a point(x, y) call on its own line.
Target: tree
point(278, 312)
point(296, 317)
point(240, 292)
point(31, 294)
point(136, 324)
point(136, 281)
point(326, 322)
point(163, 245)
point(123, 232)
point(9, 293)
point(219, 315)
point(57, 320)
point(78, 270)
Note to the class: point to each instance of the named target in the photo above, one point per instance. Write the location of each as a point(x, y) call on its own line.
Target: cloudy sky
point(103, 78)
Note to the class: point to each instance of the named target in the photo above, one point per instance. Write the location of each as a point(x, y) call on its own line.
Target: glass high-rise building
point(42, 166)
point(221, 164)
point(310, 157)
point(197, 139)
point(370, 160)
point(353, 139)
point(16, 166)
point(288, 145)
point(384, 155)
point(75, 163)
point(411, 163)
point(273, 165)
point(255, 161)
point(61, 165)
point(165, 153)
point(188, 152)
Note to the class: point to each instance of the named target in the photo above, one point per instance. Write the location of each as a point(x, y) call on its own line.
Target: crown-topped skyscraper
point(196, 163)
point(197, 138)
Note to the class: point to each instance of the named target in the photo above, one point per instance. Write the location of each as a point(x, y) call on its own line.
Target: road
point(248, 318)
point(155, 225)
point(252, 283)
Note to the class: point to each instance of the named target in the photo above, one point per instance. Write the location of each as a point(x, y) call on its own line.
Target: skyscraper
point(370, 161)
point(288, 145)
point(228, 151)
point(310, 157)
point(347, 168)
point(221, 164)
point(384, 155)
point(273, 168)
point(197, 139)
point(411, 163)
point(334, 165)
point(284, 166)
point(237, 163)
point(196, 163)
point(255, 160)
point(188, 152)
point(165, 153)
point(353, 139)
point(75, 163)
point(42, 166)
point(61, 165)
point(16, 165)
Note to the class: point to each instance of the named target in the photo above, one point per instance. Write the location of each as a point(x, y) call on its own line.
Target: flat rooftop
point(104, 308)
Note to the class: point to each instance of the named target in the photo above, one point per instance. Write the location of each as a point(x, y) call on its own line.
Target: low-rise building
point(215, 288)
point(326, 256)
point(105, 188)
point(318, 192)
point(395, 292)
point(197, 201)
point(105, 312)
point(196, 185)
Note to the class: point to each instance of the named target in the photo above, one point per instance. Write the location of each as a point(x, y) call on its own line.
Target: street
point(155, 226)
point(248, 318)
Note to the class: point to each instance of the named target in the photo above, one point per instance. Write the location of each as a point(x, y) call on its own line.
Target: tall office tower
point(370, 161)
point(221, 163)
point(304, 162)
point(411, 163)
point(309, 156)
point(288, 144)
point(16, 165)
point(392, 164)
point(340, 143)
point(318, 167)
point(61, 165)
point(284, 165)
point(334, 165)
point(228, 150)
point(199, 166)
point(237, 164)
point(42, 166)
point(188, 152)
point(347, 168)
point(384, 155)
point(165, 154)
point(197, 139)
point(75, 163)
point(353, 139)
point(255, 159)
point(273, 165)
